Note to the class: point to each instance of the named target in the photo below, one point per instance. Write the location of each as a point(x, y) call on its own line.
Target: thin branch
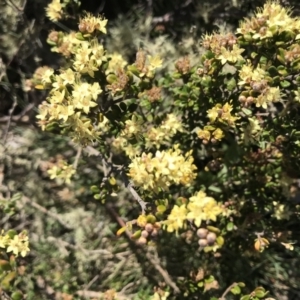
point(119, 169)
point(163, 273)
point(78, 155)
point(100, 295)
point(150, 258)
point(91, 282)
point(11, 111)
point(227, 291)
point(136, 196)
point(20, 9)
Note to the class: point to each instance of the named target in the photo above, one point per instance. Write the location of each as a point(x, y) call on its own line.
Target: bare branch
point(11, 111)
point(227, 291)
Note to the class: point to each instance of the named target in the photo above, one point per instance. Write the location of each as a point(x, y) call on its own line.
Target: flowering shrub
point(206, 150)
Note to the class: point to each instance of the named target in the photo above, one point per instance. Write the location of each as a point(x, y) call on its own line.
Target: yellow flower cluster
point(63, 43)
point(154, 136)
point(255, 79)
point(251, 131)
point(116, 61)
point(15, 244)
point(62, 171)
point(203, 208)
point(157, 136)
point(132, 128)
point(176, 218)
point(88, 57)
point(210, 133)
point(146, 65)
point(71, 99)
point(250, 74)
point(231, 56)
point(164, 169)
point(269, 95)
point(200, 208)
point(54, 10)
point(121, 144)
point(272, 20)
point(224, 46)
point(222, 114)
point(90, 24)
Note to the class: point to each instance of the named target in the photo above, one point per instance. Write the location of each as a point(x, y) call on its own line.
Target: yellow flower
point(116, 61)
point(46, 76)
point(204, 134)
point(17, 245)
point(218, 134)
point(248, 74)
point(154, 62)
point(271, 94)
point(176, 218)
point(83, 94)
point(65, 112)
point(53, 172)
point(219, 113)
point(68, 76)
point(171, 125)
point(90, 24)
point(213, 113)
point(57, 97)
point(202, 208)
point(54, 10)
point(230, 55)
point(162, 170)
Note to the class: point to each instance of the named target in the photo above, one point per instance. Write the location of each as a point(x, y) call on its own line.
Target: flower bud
point(202, 233)
point(202, 243)
point(149, 227)
point(211, 238)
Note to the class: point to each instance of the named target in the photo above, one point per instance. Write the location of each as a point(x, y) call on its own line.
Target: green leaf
point(281, 55)
point(210, 279)
point(6, 282)
point(132, 107)
point(230, 226)
point(285, 83)
point(220, 241)
point(209, 127)
point(123, 106)
point(246, 297)
point(282, 70)
point(231, 84)
point(236, 290)
point(215, 189)
point(161, 208)
point(11, 233)
point(94, 189)
point(5, 265)
point(247, 111)
point(272, 71)
point(260, 294)
point(16, 197)
point(17, 295)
